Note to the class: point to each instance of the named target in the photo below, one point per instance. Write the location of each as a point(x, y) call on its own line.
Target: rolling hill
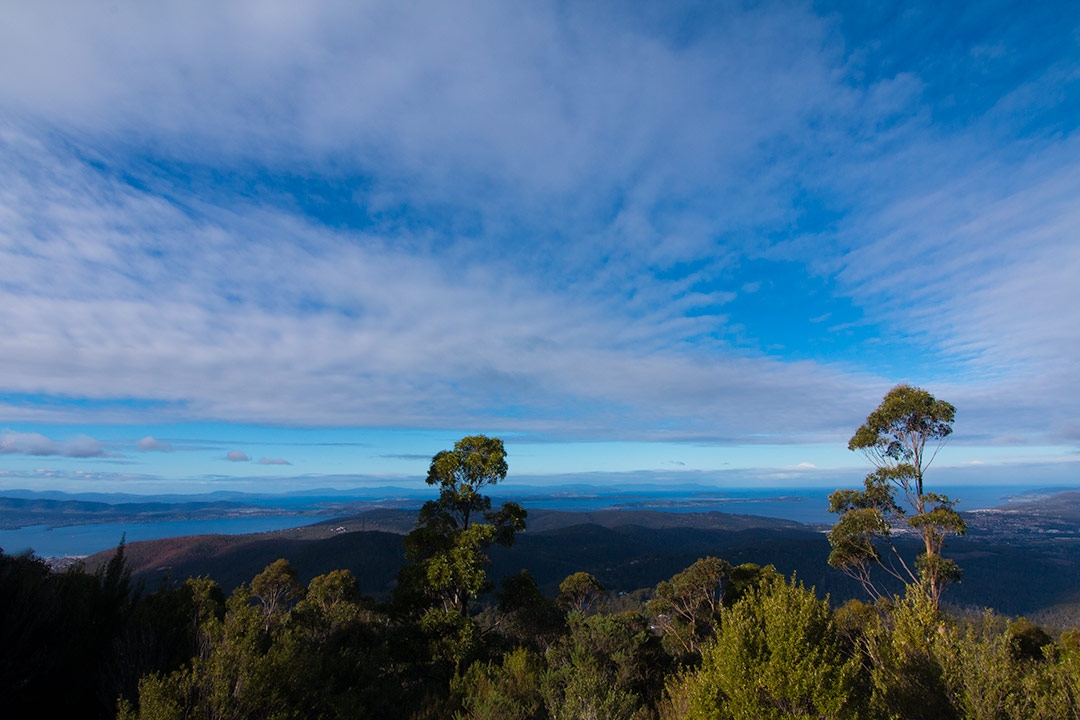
point(625, 550)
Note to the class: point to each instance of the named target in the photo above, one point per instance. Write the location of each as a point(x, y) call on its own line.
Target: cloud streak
point(383, 322)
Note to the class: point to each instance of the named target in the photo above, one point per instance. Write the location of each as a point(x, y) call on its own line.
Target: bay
point(81, 540)
point(804, 505)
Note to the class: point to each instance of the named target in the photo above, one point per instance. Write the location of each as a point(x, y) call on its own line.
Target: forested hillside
point(1011, 574)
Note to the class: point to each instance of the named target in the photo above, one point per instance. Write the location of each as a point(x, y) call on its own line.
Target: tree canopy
point(446, 552)
point(897, 433)
point(475, 463)
point(901, 438)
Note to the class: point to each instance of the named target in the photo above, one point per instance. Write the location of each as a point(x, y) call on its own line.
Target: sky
point(280, 246)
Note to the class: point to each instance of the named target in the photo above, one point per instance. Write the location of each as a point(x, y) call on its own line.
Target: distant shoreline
point(55, 527)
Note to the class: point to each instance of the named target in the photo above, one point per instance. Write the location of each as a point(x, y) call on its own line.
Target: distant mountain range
point(22, 508)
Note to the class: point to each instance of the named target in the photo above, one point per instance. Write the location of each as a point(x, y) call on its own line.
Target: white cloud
point(150, 444)
point(491, 112)
point(148, 304)
point(273, 461)
point(978, 264)
point(538, 117)
point(80, 446)
point(237, 456)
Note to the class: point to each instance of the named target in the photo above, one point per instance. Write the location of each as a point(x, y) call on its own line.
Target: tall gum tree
point(901, 438)
point(446, 551)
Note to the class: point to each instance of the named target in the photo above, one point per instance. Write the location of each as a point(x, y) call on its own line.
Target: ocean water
point(805, 505)
point(80, 540)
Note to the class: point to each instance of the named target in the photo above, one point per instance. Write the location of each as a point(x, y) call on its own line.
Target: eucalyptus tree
point(901, 438)
point(446, 552)
point(580, 591)
point(686, 608)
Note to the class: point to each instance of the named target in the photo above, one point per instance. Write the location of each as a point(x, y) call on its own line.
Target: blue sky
point(284, 245)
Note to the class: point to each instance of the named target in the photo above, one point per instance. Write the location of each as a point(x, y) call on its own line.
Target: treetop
point(475, 461)
point(906, 413)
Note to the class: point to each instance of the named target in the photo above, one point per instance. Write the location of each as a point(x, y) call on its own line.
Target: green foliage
point(767, 647)
point(333, 605)
point(777, 655)
point(312, 661)
point(747, 577)
point(162, 697)
point(446, 553)
point(997, 671)
point(524, 617)
point(456, 574)
point(908, 677)
point(475, 463)
point(686, 608)
point(580, 591)
point(115, 579)
point(446, 550)
point(980, 672)
point(898, 431)
point(68, 640)
point(509, 690)
point(1026, 640)
point(277, 588)
point(609, 666)
point(856, 622)
point(901, 437)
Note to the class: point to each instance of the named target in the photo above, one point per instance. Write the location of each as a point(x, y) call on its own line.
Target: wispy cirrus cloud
point(539, 219)
point(383, 321)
